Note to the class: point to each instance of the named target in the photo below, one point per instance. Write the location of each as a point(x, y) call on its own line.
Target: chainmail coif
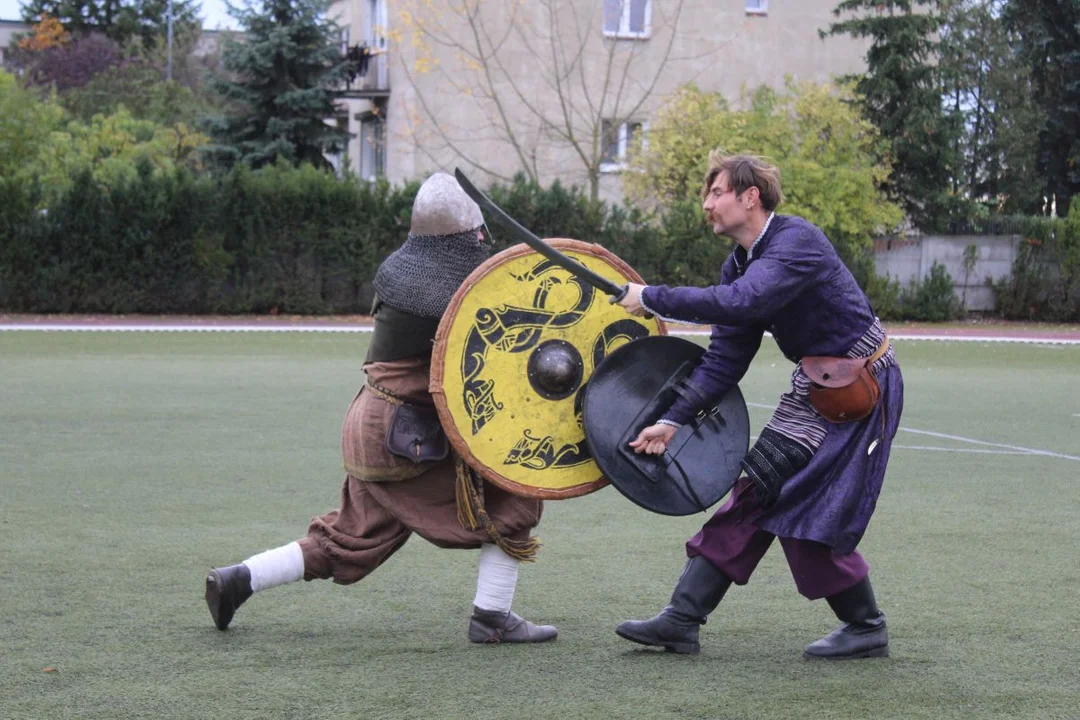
point(422, 275)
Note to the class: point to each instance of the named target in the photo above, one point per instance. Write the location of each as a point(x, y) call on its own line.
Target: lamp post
point(168, 62)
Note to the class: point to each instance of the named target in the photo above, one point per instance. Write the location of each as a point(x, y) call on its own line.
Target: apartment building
point(8, 30)
point(562, 87)
point(556, 84)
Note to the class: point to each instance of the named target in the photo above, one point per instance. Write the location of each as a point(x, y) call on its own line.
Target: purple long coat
point(794, 285)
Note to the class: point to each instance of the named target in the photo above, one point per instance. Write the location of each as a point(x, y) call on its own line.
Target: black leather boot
point(226, 589)
point(863, 634)
point(698, 592)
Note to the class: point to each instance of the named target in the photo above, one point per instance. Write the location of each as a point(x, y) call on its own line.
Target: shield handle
point(650, 411)
point(684, 433)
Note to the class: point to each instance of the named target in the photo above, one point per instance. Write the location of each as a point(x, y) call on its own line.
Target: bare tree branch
point(562, 99)
point(446, 138)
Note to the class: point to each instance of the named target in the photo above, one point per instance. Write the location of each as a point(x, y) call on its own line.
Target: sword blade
point(522, 233)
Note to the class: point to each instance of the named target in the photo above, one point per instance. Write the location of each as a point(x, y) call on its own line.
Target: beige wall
point(717, 45)
point(8, 29)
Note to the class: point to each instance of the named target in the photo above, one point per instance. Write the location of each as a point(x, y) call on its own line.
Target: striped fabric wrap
point(796, 430)
point(773, 459)
point(796, 418)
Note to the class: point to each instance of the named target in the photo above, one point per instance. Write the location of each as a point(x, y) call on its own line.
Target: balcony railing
point(373, 77)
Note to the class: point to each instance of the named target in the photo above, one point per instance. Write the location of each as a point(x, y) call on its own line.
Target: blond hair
point(745, 172)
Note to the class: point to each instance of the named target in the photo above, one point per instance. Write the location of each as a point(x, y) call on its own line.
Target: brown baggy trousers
point(376, 517)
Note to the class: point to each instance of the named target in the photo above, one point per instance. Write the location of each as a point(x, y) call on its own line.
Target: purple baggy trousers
point(732, 543)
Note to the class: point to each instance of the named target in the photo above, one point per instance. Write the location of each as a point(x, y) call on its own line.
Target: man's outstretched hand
point(631, 301)
point(653, 440)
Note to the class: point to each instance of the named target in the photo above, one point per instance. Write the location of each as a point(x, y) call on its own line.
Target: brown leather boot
point(863, 634)
point(226, 590)
point(486, 626)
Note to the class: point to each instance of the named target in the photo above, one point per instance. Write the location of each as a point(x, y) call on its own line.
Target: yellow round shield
point(513, 353)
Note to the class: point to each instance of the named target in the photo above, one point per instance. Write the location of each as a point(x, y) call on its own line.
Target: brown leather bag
point(843, 389)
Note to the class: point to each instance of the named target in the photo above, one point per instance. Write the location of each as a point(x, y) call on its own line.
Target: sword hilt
point(622, 293)
point(526, 236)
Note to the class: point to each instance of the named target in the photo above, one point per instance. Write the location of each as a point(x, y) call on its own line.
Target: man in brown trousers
point(388, 494)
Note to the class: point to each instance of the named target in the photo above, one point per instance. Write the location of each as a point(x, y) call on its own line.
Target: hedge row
point(294, 240)
point(302, 241)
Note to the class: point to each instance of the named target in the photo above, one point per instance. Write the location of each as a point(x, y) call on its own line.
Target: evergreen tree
point(283, 80)
point(902, 96)
point(988, 91)
point(119, 20)
point(1049, 42)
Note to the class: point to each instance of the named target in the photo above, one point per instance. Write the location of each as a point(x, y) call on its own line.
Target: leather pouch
point(415, 433)
point(842, 389)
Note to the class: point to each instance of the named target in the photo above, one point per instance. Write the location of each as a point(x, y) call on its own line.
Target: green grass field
point(130, 463)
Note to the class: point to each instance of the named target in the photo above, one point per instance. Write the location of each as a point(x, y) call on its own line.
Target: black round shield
point(630, 390)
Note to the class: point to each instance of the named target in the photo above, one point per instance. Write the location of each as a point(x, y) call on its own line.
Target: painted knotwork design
point(514, 329)
point(512, 361)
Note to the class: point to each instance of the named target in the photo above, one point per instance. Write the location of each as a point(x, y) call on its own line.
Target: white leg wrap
point(497, 579)
point(279, 566)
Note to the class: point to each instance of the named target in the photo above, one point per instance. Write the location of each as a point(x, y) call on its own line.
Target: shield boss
point(512, 357)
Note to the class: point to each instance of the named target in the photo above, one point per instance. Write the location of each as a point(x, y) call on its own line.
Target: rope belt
point(384, 393)
point(472, 512)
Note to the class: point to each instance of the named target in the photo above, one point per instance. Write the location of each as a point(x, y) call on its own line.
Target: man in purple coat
point(811, 482)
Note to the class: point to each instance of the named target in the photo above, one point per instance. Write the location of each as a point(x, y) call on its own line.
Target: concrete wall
point(911, 260)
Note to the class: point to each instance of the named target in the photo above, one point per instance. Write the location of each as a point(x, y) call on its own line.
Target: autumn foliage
point(48, 33)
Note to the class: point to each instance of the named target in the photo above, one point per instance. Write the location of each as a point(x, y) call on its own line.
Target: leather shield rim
point(438, 359)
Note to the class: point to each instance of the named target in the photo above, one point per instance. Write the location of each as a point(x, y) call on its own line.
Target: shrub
point(1045, 277)
point(932, 299)
point(885, 296)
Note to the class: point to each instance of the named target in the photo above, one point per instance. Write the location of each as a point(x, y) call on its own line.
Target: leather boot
point(863, 634)
point(698, 592)
point(226, 589)
point(491, 626)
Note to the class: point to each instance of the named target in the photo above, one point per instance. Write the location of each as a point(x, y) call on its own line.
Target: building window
point(343, 39)
point(337, 160)
point(616, 140)
point(372, 147)
point(757, 7)
point(627, 18)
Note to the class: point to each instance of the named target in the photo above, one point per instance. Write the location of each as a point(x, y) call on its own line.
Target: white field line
point(78, 327)
point(967, 451)
point(1003, 449)
point(1029, 451)
point(944, 338)
point(59, 327)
